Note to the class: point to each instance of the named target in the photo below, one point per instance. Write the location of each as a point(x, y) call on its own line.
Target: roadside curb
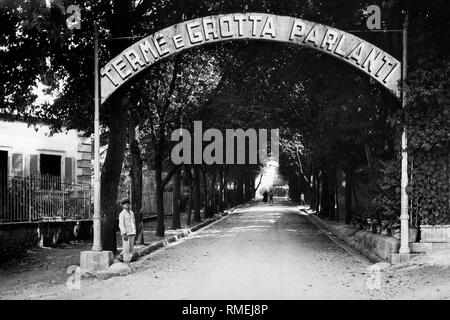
point(154, 217)
point(347, 237)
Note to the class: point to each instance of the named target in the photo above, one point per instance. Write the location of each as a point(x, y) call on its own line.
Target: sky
point(42, 97)
point(270, 175)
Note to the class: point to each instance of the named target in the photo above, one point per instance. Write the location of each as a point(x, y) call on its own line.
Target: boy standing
point(127, 227)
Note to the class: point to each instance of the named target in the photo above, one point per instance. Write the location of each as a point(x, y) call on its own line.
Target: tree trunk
point(240, 189)
point(213, 192)
point(188, 176)
point(205, 194)
point(111, 171)
point(355, 198)
point(294, 191)
point(336, 196)
point(332, 194)
point(226, 192)
point(197, 200)
point(348, 197)
point(136, 185)
point(325, 196)
point(176, 219)
point(222, 190)
point(313, 193)
point(252, 187)
point(188, 218)
point(318, 191)
point(234, 194)
point(248, 186)
point(159, 197)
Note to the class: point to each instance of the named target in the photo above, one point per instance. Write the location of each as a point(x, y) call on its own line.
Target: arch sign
point(254, 26)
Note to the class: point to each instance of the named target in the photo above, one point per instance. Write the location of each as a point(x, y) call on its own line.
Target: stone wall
point(376, 247)
point(16, 238)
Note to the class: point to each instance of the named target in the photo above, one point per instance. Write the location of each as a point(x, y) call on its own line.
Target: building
point(43, 176)
point(29, 150)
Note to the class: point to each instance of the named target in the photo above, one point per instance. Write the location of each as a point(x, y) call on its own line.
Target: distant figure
point(270, 196)
point(265, 194)
point(127, 230)
point(76, 230)
point(302, 199)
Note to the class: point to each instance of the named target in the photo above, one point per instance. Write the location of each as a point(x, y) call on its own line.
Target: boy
point(127, 227)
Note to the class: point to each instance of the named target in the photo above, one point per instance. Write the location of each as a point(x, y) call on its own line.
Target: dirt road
point(259, 252)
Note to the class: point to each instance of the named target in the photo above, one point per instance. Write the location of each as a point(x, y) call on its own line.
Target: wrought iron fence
point(43, 198)
point(149, 202)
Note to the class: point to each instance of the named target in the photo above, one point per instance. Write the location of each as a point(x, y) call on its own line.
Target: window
point(3, 180)
point(50, 165)
point(69, 168)
point(17, 164)
point(53, 166)
point(3, 163)
point(50, 169)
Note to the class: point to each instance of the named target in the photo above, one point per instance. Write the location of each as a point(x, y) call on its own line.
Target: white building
point(26, 150)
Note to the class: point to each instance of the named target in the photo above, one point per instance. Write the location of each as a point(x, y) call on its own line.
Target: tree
point(170, 96)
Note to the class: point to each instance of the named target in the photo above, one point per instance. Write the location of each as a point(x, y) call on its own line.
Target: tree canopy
point(331, 117)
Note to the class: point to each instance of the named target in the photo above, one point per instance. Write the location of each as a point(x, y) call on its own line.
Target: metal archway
point(344, 46)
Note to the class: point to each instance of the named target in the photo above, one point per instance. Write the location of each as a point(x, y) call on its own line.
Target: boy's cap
point(123, 201)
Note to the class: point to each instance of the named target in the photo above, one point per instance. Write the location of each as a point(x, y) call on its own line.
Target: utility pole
point(404, 217)
point(96, 259)
point(97, 245)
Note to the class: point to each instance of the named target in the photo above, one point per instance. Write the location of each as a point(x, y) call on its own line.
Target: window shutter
point(69, 170)
point(17, 164)
point(34, 165)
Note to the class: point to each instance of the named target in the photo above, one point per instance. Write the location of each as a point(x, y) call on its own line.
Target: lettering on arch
point(252, 26)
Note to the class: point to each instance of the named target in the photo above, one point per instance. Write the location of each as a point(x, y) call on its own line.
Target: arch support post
point(97, 245)
point(96, 259)
point(404, 217)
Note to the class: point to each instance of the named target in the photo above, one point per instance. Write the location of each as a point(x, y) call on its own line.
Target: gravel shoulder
point(44, 269)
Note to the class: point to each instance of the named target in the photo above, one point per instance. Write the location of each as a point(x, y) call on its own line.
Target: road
point(258, 252)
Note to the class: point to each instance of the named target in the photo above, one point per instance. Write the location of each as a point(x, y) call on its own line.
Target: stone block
point(402, 257)
point(84, 147)
point(85, 171)
point(120, 268)
point(379, 266)
point(86, 156)
point(84, 163)
point(116, 269)
point(96, 260)
point(437, 233)
point(105, 275)
point(428, 247)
